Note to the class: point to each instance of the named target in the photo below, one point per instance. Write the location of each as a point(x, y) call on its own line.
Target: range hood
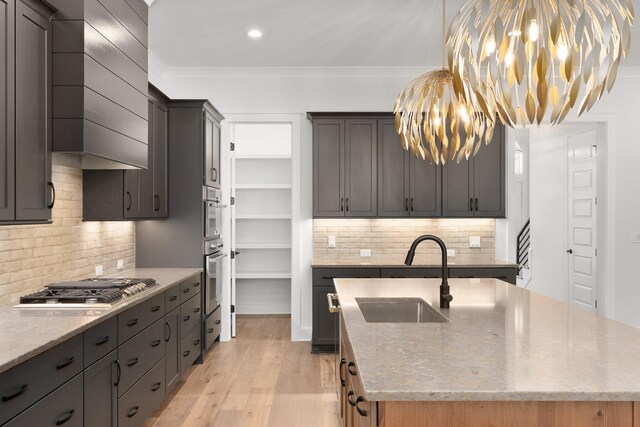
point(100, 80)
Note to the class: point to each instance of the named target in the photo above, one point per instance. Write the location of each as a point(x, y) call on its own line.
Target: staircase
point(523, 254)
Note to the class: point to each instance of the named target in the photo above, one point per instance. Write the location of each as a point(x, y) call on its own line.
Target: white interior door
point(232, 209)
point(582, 150)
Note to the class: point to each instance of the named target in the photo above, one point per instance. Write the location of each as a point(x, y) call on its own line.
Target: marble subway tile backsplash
point(389, 239)
point(32, 256)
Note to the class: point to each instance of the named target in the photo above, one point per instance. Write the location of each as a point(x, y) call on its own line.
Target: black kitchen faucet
point(445, 296)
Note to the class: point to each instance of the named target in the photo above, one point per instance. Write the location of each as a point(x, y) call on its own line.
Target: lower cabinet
point(141, 401)
point(62, 407)
point(190, 348)
point(324, 322)
point(101, 393)
point(212, 328)
point(172, 349)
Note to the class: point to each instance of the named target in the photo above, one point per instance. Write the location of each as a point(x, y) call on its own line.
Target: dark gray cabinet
point(345, 167)
point(139, 403)
point(172, 349)
point(111, 195)
point(211, 150)
point(26, 191)
point(407, 186)
point(100, 392)
point(476, 188)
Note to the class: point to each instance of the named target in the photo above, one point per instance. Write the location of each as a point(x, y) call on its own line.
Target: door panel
point(457, 189)
point(145, 183)
point(328, 168)
point(100, 396)
point(132, 208)
point(393, 169)
point(160, 164)
point(582, 219)
point(360, 168)
point(489, 177)
point(33, 148)
point(211, 173)
point(216, 155)
point(7, 111)
point(425, 185)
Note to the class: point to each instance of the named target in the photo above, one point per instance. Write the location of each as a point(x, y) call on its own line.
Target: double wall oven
point(214, 253)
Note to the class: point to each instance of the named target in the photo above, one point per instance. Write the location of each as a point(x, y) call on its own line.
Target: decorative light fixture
point(522, 55)
point(436, 115)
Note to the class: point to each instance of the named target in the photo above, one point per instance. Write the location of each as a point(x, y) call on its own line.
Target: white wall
point(375, 89)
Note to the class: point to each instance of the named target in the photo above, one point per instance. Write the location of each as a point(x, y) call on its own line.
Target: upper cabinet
point(361, 170)
point(211, 150)
point(345, 167)
point(27, 194)
point(100, 79)
point(110, 195)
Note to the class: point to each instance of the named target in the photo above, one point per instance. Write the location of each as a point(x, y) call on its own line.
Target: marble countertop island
point(27, 332)
point(502, 343)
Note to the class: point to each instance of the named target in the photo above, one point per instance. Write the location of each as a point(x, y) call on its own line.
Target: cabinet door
point(328, 168)
point(132, 184)
point(489, 177)
point(7, 111)
point(160, 161)
point(324, 335)
point(457, 188)
point(172, 346)
point(34, 193)
point(100, 396)
point(393, 172)
point(211, 151)
point(360, 168)
point(425, 198)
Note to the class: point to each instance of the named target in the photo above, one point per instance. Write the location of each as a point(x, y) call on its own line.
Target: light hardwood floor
point(260, 378)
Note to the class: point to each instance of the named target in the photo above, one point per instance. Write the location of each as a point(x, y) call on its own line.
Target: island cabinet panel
point(509, 413)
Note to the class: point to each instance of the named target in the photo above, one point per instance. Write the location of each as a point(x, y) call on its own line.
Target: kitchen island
point(506, 356)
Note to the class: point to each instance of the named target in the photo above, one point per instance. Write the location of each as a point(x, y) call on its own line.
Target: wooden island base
point(512, 414)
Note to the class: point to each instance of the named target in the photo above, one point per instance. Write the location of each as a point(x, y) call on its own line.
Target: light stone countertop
point(457, 262)
point(502, 343)
point(27, 332)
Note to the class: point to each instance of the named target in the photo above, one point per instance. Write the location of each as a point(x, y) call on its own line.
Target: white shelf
point(241, 156)
point(263, 186)
point(264, 216)
point(263, 245)
point(265, 275)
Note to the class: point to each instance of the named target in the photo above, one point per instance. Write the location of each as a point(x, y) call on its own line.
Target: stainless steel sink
point(399, 310)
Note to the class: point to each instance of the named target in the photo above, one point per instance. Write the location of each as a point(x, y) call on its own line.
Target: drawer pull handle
point(66, 417)
point(15, 394)
point(195, 285)
point(196, 342)
point(353, 371)
point(210, 330)
point(132, 322)
point(186, 290)
point(173, 297)
point(156, 386)
point(65, 364)
point(118, 373)
point(217, 322)
point(196, 310)
point(155, 343)
point(186, 353)
point(328, 278)
point(104, 340)
point(186, 318)
point(133, 411)
point(355, 403)
point(132, 362)
point(155, 308)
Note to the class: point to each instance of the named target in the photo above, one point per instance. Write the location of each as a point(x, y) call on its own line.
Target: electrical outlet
point(451, 252)
point(365, 252)
point(332, 241)
point(635, 237)
point(99, 270)
point(120, 264)
point(474, 241)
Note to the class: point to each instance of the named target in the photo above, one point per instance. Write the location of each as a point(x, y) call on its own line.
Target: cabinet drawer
point(139, 354)
point(22, 386)
point(213, 328)
point(139, 317)
point(100, 340)
point(190, 315)
point(411, 272)
point(62, 407)
point(172, 298)
point(143, 399)
point(189, 288)
point(190, 348)
point(325, 276)
point(505, 274)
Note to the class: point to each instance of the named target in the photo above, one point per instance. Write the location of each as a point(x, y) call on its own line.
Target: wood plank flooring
point(260, 378)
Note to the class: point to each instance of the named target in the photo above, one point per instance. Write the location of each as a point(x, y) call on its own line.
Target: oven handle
point(217, 257)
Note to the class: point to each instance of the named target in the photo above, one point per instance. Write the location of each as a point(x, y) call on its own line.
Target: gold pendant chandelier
point(436, 115)
point(524, 56)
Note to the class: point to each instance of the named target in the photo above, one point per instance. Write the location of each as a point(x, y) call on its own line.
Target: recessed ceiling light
point(255, 34)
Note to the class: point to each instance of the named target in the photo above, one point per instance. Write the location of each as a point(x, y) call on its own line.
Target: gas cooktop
point(94, 293)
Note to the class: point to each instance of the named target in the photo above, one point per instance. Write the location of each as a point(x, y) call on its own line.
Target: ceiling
point(304, 33)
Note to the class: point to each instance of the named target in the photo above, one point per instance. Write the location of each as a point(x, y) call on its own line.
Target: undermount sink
point(399, 310)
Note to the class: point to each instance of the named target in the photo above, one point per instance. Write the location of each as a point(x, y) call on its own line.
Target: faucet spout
point(445, 295)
